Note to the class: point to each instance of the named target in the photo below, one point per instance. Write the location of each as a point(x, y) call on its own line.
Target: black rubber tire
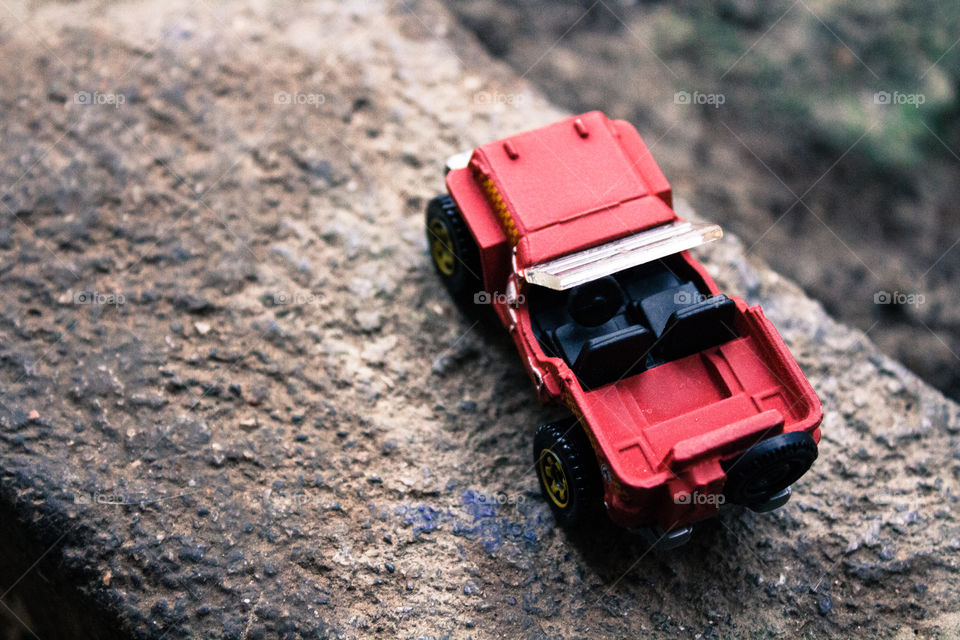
point(769, 467)
point(464, 282)
point(569, 444)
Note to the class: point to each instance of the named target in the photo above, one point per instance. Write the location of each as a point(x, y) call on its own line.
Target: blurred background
point(823, 133)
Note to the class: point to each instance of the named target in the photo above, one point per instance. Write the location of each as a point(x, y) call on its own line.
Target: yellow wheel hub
point(441, 247)
point(554, 479)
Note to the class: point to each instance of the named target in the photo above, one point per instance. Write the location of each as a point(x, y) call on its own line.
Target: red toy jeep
point(683, 399)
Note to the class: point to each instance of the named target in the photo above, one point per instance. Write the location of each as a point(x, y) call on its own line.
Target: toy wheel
point(453, 249)
point(769, 467)
point(567, 470)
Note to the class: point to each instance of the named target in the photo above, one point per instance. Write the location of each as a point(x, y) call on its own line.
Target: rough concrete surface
point(237, 403)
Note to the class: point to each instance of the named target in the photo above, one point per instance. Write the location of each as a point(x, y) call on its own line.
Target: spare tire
point(768, 468)
point(595, 302)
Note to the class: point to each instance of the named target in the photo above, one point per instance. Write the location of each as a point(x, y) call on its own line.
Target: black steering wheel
point(593, 303)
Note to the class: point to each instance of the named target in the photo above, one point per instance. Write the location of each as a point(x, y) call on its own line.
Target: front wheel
point(453, 249)
point(567, 470)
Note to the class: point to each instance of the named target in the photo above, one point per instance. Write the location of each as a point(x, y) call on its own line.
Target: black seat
point(568, 339)
point(614, 356)
point(699, 326)
point(655, 310)
point(648, 279)
point(657, 317)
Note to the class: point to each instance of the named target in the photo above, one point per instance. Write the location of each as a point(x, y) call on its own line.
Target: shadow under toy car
point(683, 399)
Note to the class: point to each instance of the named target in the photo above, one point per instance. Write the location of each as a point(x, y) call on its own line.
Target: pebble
point(442, 365)
point(389, 447)
point(217, 458)
point(369, 320)
point(192, 304)
point(257, 396)
point(824, 604)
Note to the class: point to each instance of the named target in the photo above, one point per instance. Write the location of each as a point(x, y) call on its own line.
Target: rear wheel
point(769, 467)
point(567, 471)
point(453, 249)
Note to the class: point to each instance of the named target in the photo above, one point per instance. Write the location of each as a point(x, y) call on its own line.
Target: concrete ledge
point(237, 403)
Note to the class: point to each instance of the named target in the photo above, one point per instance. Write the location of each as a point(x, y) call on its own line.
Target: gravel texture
point(237, 403)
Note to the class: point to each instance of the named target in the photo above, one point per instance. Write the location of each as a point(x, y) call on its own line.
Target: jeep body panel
point(664, 433)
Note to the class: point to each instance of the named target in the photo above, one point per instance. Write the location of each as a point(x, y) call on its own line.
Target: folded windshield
point(596, 262)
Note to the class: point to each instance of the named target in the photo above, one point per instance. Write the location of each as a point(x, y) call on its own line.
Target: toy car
point(682, 399)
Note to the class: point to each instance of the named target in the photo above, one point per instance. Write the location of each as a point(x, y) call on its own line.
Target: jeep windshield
point(596, 262)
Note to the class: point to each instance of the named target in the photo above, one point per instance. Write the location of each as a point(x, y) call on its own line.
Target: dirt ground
point(236, 401)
